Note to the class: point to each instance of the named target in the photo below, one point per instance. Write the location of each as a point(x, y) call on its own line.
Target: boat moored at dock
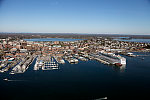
point(59, 60)
point(109, 58)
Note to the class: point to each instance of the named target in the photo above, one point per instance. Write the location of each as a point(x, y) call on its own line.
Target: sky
point(75, 16)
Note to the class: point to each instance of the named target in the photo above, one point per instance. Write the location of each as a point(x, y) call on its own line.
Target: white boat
point(76, 60)
point(104, 98)
point(11, 73)
point(62, 61)
point(59, 60)
point(73, 60)
point(39, 63)
point(5, 79)
point(82, 58)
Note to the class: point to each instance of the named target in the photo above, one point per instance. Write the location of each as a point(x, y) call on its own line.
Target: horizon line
point(73, 33)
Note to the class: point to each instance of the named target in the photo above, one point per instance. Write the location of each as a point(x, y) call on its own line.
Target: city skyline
point(78, 16)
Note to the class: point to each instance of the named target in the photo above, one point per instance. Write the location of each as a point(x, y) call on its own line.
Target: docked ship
point(111, 58)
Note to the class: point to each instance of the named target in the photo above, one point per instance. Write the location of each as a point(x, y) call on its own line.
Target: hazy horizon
point(71, 33)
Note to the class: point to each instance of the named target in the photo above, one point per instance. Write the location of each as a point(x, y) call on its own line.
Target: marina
point(49, 64)
point(74, 66)
point(74, 49)
point(60, 60)
point(54, 68)
point(23, 65)
point(52, 62)
point(91, 73)
point(45, 63)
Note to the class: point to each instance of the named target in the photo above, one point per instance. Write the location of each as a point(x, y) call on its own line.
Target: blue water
point(52, 39)
point(135, 40)
point(83, 81)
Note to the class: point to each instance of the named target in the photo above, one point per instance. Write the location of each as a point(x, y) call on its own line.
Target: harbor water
point(134, 40)
point(87, 80)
